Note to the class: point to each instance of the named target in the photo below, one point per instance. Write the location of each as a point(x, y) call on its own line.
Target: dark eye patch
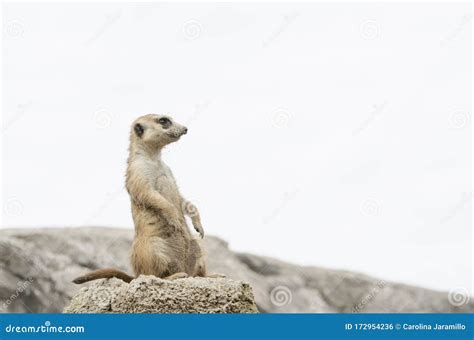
point(165, 122)
point(139, 129)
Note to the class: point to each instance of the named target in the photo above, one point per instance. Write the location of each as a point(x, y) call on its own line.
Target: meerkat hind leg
point(175, 276)
point(201, 271)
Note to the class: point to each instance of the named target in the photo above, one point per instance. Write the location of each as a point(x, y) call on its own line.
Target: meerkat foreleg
point(163, 207)
point(143, 194)
point(190, 210)
point(197, 225)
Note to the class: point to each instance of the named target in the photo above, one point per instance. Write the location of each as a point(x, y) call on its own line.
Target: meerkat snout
point(176, 130)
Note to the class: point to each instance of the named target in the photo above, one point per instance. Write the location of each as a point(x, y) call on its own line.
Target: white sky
point(323, 134)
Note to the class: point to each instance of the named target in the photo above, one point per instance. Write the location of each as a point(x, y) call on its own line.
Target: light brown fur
point(163, 245)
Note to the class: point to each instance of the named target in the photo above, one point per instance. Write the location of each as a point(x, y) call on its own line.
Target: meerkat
point(163, 245)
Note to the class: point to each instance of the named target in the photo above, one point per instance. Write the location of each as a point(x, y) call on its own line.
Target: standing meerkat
point(163, 245)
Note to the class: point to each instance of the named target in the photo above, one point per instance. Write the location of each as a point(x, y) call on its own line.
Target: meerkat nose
point(185, 131)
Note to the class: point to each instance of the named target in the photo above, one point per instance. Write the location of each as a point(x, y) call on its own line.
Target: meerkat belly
point(157, 249)
point(160, 249)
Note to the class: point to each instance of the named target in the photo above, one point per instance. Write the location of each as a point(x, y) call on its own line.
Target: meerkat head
point(156, 130)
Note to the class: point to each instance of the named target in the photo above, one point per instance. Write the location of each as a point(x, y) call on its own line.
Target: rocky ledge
point(149, 294)
point(37, 266)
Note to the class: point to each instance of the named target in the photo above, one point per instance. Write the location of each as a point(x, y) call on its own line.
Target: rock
point(37, 266)
point(149, 294)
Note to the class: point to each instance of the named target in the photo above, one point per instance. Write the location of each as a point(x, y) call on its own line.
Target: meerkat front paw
point(199, 229)
point(172, 217)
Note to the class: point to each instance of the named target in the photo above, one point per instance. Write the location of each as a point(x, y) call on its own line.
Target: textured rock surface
point(37, 265)
point(148, 294)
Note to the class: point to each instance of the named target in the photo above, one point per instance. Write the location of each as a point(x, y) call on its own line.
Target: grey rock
point(149, 294)
point(37, 266)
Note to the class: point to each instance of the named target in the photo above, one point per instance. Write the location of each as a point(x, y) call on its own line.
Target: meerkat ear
point(139, 129)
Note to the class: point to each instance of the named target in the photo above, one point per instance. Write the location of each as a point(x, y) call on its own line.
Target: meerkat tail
point(103, 274)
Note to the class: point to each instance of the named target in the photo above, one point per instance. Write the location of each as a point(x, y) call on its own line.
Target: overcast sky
point(323, 134)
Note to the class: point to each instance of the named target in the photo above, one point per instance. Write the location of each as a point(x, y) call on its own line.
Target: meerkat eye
point(165, 122)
